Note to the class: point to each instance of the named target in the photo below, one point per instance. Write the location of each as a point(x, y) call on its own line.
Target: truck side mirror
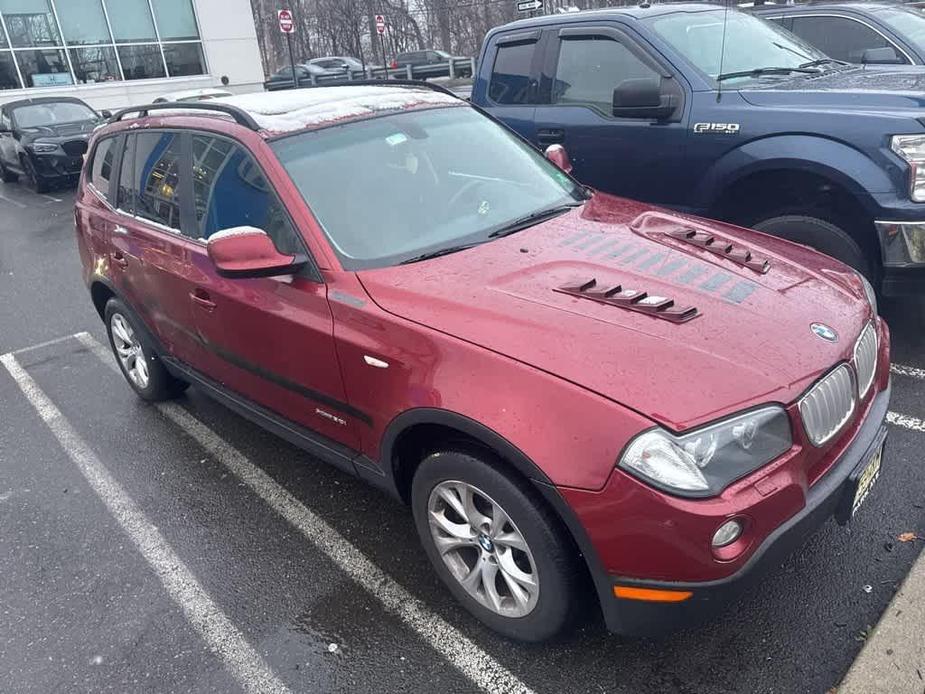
point(643, 98)
point(881, 56)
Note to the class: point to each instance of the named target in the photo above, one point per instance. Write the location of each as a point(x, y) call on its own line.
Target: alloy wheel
point(483, 548)
point(129, 350)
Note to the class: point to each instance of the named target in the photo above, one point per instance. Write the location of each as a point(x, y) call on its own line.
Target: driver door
point(641, 159)
point(270, 339)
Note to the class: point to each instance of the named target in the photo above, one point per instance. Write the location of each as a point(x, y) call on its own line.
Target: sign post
point(380, 29)
point(287, 26)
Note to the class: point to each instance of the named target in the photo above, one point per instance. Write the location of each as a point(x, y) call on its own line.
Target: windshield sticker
point(396, 139)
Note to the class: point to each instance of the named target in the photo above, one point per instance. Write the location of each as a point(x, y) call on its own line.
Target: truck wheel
point(495, 545)
point(821, 235)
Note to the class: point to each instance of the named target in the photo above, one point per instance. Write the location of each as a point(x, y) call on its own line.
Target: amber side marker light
point(651, 594)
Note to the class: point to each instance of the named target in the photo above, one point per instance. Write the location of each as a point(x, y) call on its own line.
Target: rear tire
point(526, 572)
point(140, 365)
point(6, 175)
point(822, 235)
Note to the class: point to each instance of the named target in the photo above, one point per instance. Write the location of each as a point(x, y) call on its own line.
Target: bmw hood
point(682, 319)
point(60, 132)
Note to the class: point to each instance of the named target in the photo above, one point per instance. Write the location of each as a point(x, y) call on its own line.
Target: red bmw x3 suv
point(578, 395)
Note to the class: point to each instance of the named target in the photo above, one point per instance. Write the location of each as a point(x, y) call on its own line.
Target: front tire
point(6, 175)
point(496, 546)
point(822, 235)
point(140, 366)
point(34, 180)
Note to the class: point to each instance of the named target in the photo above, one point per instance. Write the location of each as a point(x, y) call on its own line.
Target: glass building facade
point(46, 43)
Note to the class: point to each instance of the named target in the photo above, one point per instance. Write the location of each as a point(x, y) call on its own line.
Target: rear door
point(510, 80)
point(150, 255)
point(270, 339)
point(633, 157)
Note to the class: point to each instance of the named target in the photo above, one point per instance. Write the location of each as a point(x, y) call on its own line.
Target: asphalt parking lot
point(180, 548)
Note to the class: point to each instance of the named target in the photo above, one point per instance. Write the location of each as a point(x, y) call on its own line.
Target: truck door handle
point(550, 136)
point(201, 298)
point(119, 259)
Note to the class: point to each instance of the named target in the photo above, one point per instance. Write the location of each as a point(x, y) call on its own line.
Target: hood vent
point(723, 248)
point(632, 299)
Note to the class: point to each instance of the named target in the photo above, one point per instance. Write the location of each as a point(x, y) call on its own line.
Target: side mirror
point(249, 252)
point(559, 156)
point(107, 114)
point(642, 98)
point(880, 56)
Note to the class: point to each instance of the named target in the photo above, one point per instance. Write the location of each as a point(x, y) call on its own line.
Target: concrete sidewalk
point(893, 659)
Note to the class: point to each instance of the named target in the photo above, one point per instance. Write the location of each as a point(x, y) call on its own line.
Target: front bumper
point(56, 165)
point(826, 498)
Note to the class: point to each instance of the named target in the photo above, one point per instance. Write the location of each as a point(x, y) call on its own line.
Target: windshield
point(751, 43)
point(907, 22)
point(52, 113)
point(420, 181)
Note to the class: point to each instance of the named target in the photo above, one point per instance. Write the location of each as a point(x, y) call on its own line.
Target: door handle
point(121, 230)
point(119, 260)
point(201, 298)
point(550, 136)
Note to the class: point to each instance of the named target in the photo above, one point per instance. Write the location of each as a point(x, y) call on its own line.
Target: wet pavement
point(276, 566)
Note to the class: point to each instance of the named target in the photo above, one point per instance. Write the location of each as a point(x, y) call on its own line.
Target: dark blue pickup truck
point(719, 113)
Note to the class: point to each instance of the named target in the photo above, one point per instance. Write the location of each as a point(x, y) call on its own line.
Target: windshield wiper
point(531, 219)
point(823, 61)
point(440, 251)
point(758, 71)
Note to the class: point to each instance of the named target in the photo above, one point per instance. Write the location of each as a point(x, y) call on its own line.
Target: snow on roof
point(288, 111)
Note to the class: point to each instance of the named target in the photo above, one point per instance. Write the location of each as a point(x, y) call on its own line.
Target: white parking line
point(18, 204)
point(222, 637)
point(902, 370)
point(905, 421)
point(47, 343)
point(51, 198)
point(467, 657)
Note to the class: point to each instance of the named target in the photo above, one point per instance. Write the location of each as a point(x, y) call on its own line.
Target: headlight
point(705, 461)
point(43, 147)
point(871, 294)
point(912, 149)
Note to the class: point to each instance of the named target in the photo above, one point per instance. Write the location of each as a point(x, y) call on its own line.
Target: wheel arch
point(414, 433)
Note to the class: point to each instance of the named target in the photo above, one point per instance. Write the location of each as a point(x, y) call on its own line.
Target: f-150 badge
point(718, 128)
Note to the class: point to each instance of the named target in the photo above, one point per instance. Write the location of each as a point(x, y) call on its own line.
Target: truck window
point(510, 76)
point(589, 68)
point(839, 37)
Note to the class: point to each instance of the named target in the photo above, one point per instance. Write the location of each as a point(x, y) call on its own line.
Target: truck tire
point(820, 234)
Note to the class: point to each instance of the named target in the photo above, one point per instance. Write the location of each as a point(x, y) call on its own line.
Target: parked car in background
point(577, 394)
point(43, 139)
point(770, 134)
point(193, 95)
point(431, 63)
point(862, 32)
point(336, 66)
point(283, 78)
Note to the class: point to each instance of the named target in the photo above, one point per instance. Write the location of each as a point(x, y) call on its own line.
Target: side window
point(101, 170)
point(590, 68)
point(229, 191)
point(839, 37)
point(156, 178)
point(510, 75)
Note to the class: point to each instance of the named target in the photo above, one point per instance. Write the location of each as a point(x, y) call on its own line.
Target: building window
point(184, 59)
point(46, 43)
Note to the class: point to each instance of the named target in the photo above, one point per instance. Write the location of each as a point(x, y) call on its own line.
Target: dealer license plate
point(867, 479)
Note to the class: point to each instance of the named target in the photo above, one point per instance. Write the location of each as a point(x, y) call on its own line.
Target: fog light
point(727, 533)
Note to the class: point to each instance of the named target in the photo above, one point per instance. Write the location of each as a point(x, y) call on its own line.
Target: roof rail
point(385, 83)
point(240, 116)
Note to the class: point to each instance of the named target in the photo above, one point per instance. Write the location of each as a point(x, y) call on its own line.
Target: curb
point(893, 659)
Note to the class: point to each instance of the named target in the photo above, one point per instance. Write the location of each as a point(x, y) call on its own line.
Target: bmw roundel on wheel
point(569, 389)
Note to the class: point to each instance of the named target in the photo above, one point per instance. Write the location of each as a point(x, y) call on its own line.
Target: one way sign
point(529, 5)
